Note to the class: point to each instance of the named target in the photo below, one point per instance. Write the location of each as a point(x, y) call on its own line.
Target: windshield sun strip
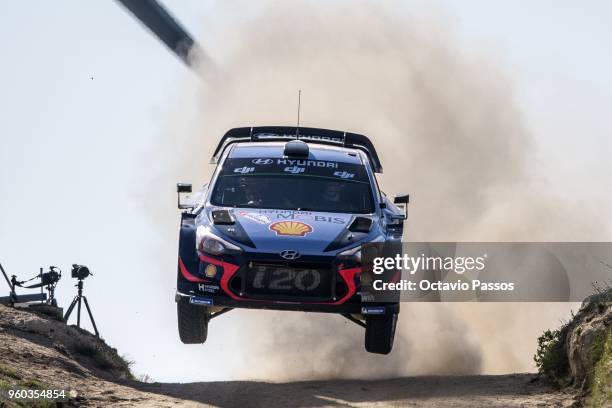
point(296, 175)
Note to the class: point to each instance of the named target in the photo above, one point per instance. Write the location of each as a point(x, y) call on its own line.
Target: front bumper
point(225, 290)
point(346, 308)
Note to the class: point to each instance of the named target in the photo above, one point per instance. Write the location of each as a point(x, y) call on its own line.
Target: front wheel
point(380, 333)
point(192, 322)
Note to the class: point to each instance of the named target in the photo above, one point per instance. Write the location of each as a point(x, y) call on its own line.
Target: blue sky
point(84, 92)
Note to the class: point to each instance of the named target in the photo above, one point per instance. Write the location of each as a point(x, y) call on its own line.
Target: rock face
point(71, 341)
point(586, 335)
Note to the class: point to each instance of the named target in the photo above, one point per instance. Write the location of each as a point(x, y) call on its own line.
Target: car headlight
point(209, 243)
point(354, 254)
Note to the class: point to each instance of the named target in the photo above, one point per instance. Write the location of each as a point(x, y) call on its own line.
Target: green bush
point(8, 372)
point(104, 360)
point(551, 357)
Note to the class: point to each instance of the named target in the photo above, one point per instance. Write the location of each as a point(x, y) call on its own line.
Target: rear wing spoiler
point(309, 135)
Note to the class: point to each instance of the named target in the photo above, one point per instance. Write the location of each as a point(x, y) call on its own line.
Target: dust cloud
point(449, 131)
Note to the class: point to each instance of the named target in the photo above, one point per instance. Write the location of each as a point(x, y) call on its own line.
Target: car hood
point(308, 232)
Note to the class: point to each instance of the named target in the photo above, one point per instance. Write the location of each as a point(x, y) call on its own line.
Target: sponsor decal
point(262, 161)
point(296, 215)
point(366, 279)
point(343, 174)
point(210, 271)
point(315, 137)
point(302, 136)
point(244, 170)
point(367, 297)
point(291, 228)
point(377, 310)
point(316, 218)
point(333, 220)
point(256, 217)
point(307, 163)
point(195, 300)
point(291, 215)
point(296, 162)
point(208, 288)
point(294, 170)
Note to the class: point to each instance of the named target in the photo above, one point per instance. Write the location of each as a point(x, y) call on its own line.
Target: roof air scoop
point(222, 217)
point(296, 148)
point(361, 224)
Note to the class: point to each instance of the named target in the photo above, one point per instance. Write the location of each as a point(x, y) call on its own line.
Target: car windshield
point(305, 185)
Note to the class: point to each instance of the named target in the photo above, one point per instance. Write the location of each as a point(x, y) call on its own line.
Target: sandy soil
point(29, 346)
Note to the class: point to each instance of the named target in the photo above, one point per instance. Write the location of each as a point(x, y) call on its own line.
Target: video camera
point(80, 272)
point(47, 280)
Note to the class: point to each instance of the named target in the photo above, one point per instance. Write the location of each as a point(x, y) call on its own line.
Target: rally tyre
point(192, 322)
point(380, 332)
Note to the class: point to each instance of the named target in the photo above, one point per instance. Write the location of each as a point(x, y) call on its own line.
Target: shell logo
point(210, 271)
point(292, 228)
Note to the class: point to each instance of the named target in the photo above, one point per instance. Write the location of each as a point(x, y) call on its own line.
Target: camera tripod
point(77, 300)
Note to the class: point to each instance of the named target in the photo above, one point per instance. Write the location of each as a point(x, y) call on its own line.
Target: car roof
point(316, 152)
point(320, 136)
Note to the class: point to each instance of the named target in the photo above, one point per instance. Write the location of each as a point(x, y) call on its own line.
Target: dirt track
point(36, 348)
point(473, 391)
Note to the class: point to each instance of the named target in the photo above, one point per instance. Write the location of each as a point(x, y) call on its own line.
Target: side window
point(375, 187)
point(366, 162)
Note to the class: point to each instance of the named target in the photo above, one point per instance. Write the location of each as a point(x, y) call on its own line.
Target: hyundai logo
point(262, 161)
point(290, 254)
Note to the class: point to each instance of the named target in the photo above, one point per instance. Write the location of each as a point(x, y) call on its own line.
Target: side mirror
point(182, 188)
point(402, 200)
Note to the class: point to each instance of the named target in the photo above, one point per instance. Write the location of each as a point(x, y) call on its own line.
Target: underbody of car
point(281, 226)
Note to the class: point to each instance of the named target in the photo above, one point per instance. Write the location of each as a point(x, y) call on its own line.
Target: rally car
point(281, 226)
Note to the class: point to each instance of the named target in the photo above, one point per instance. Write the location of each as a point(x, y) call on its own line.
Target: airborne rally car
point(281, 226)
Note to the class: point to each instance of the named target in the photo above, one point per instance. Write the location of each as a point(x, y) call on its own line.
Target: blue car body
point(279, 223)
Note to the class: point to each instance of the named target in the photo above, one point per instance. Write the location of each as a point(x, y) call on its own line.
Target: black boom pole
point(165, 27)
point(13, 295)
